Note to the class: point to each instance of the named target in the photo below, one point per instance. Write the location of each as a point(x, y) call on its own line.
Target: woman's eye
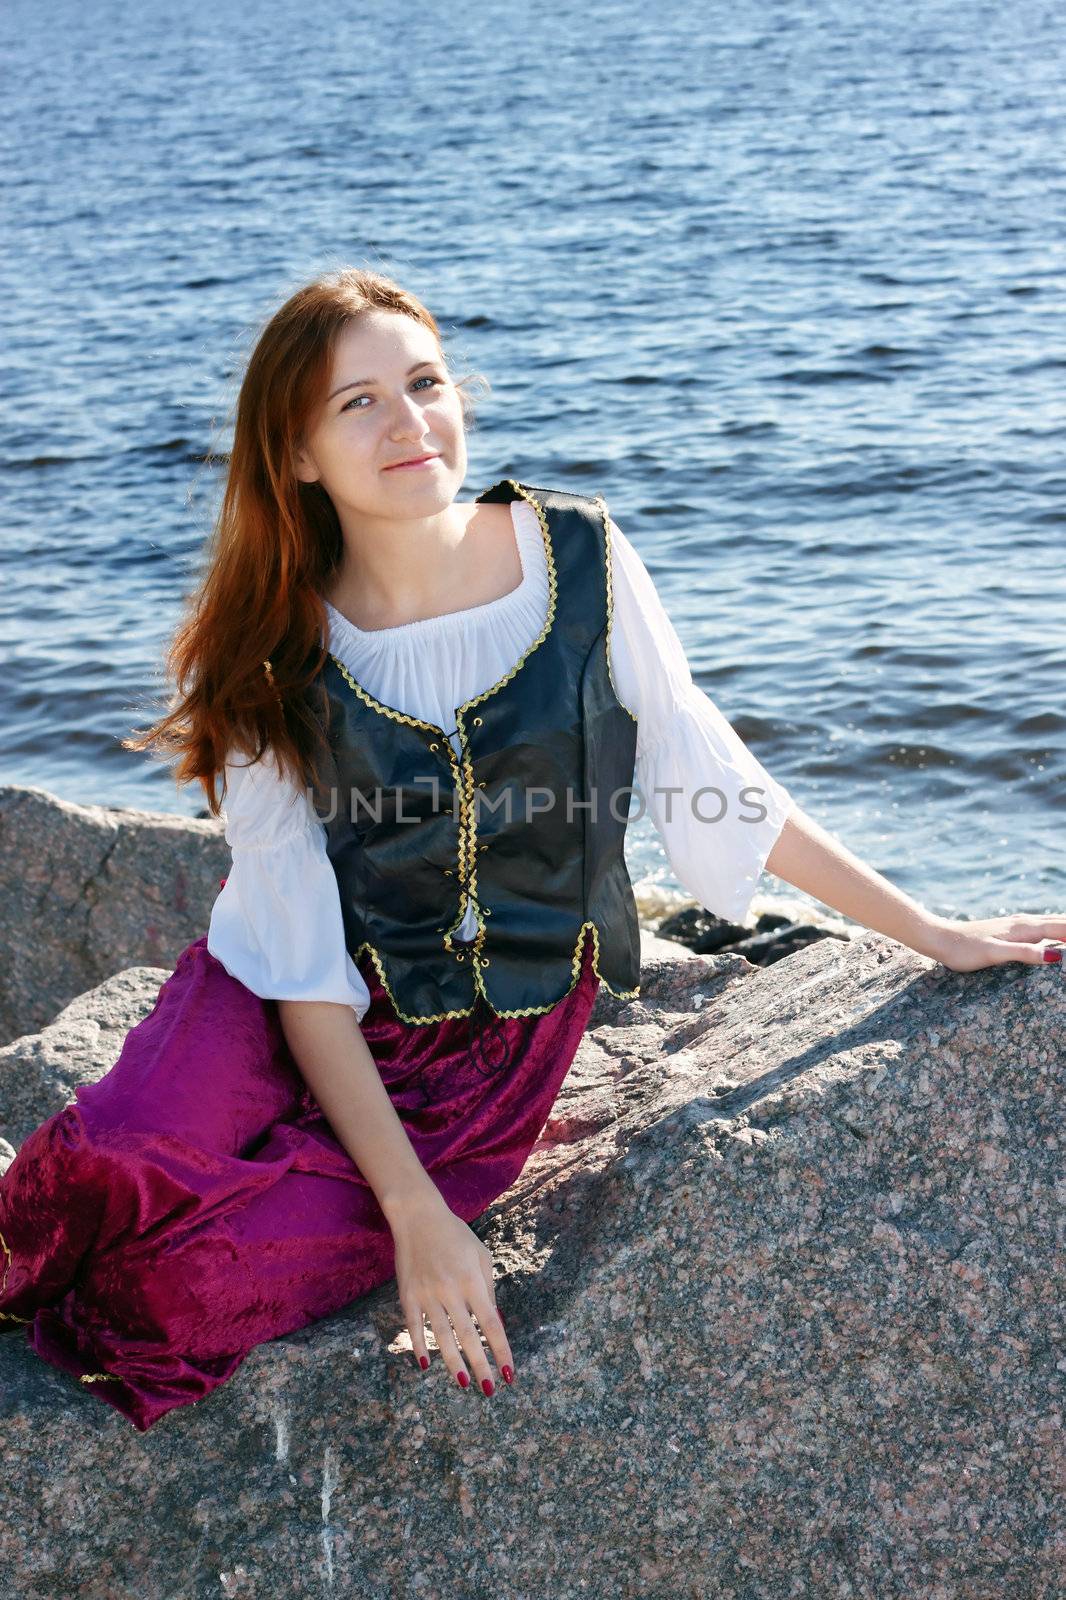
point(425, 379)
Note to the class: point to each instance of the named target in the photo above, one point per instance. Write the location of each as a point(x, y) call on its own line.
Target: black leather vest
point(528, 822)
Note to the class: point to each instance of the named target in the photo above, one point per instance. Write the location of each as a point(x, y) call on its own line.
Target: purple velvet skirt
point(194, 1202)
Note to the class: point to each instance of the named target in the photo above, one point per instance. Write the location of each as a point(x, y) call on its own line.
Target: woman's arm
point(277, 928)
point(328, 1046)
point(812, 860)
point(443, 1271)
point(685, 745)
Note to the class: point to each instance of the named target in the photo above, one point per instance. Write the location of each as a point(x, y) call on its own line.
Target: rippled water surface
point(784, 282)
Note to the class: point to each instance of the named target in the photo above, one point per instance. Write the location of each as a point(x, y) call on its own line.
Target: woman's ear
point(304, 467)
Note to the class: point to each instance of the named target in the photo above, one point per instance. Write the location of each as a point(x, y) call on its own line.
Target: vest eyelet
point(449, 872)
point(484, 961)
point(481, 783)
point(485, 911)
point(459, 956)
point(477, 722)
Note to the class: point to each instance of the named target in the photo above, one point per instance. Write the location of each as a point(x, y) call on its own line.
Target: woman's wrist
point(412, 1203)
point(931, 935)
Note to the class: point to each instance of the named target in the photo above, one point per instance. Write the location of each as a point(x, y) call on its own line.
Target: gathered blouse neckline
point(525, 528)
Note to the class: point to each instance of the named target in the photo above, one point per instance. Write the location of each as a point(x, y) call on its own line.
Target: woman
point(360, 1054)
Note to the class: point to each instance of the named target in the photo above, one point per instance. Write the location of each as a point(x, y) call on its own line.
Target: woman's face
point(390, 399)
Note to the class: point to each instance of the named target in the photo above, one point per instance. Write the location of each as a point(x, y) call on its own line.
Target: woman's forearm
point(812, 860)
point(328, 1046)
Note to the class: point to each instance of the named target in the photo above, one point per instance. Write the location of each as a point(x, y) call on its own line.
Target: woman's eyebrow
point(358, 383)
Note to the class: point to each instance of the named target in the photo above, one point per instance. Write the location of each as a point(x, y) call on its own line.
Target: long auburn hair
point(252, 639)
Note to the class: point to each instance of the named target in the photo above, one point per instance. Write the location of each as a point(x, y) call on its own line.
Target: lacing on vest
point(488, 1046)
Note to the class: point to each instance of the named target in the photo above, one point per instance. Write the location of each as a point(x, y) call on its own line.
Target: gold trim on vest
point(462, 771)
point(467, 846)
point(525, 1011)
point(457, 774)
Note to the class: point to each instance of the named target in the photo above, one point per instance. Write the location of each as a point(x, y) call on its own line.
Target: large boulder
point(783, 1279)
point(40, 1071)
point(88, 890)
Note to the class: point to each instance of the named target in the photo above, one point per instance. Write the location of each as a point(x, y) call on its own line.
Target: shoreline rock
point(783, 1278)
point(86, 891)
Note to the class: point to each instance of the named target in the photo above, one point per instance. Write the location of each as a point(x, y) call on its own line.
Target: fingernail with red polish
point(488, 1386)
point(462, 1380)
point(423, 1362)
point(1053, 953)
point(506, 1373)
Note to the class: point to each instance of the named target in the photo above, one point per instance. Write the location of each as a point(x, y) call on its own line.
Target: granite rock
point(784, 1284)
point(86, 891)
point(40, 1071)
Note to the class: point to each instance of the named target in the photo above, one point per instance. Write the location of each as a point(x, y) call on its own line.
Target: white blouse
point(276, 925)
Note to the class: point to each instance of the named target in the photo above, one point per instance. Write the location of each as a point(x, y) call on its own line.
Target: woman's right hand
point(444, 1271)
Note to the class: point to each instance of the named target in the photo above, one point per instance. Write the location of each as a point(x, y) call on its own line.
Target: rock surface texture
point(88, 890)
point(784, 1284)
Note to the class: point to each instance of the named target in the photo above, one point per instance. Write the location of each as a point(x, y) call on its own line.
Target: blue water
point(784, 282)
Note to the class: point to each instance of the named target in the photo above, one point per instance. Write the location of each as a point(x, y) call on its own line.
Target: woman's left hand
point(968, 946)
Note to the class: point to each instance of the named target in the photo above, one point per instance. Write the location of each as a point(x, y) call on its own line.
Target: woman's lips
point(406, 466)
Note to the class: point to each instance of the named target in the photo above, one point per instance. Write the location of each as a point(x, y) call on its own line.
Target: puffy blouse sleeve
point(717, 842)
point(276, 925)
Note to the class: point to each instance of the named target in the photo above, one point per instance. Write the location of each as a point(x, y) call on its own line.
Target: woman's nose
point(408, 414)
